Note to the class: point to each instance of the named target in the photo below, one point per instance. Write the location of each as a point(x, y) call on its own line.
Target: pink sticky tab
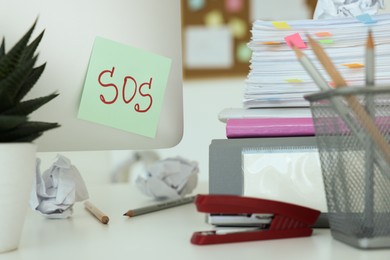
point(296, 40)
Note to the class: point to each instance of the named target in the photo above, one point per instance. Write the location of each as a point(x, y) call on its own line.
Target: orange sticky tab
point(323, 34)
point(281, 25)
point(296, 40)
point(294, 81)
point(270, 43)
point(353, 65)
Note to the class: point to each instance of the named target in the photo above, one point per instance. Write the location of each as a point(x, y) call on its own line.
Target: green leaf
point(28, 52)
point(17, 77)
point(10, 86)
point(12, 58)
point(29, 139)
point(30, 81)
point(28, 106)
point(2, 48)
point(8, 122)
point(26, 130)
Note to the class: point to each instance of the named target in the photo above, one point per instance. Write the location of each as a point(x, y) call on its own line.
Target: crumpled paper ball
point(346, 8)
point(169, 179)
point(57, 189)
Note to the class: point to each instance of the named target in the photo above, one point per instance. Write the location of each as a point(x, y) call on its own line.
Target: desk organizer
point(352, 128)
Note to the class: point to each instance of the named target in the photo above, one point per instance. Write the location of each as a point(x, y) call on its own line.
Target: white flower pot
point(17, 170)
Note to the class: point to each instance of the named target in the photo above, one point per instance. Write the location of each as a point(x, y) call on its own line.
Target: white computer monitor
point(71, 28)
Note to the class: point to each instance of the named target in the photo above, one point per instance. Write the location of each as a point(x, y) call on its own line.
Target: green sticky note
point(124, 87)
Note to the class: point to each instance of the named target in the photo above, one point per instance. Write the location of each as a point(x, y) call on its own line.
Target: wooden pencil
point(340, 107)
point(327, 63)
point(96, 212)
point(366, 121)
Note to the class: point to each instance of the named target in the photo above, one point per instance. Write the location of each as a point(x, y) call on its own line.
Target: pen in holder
point(353, 146)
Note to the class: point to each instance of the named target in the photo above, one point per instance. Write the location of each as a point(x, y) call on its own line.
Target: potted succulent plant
point(18, 75)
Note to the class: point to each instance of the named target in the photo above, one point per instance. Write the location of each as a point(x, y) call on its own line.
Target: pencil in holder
point(352, 127)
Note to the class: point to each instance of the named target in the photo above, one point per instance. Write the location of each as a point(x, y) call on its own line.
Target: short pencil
point(96, 212)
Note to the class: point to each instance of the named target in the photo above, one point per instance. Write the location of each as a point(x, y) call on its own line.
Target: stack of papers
point(277, 79)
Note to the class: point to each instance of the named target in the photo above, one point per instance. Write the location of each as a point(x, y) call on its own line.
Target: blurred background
point(214, 79)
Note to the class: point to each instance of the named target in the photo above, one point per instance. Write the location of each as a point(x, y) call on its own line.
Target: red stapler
point(286, 220)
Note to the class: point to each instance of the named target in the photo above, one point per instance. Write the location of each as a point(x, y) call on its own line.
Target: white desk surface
point(160, 235)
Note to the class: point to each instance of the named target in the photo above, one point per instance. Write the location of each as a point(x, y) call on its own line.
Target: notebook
point(269, 127)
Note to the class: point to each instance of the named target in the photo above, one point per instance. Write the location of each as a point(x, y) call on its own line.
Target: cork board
point(215, 37)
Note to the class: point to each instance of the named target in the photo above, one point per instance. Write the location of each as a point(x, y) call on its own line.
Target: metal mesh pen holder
point(355, 162)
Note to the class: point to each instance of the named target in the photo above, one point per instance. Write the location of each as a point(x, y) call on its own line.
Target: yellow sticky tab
point(294, 81)
point(353, 65)
point(281, 25)
point(323, 34)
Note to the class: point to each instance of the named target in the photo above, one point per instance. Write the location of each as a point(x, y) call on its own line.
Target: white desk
point(160, 235)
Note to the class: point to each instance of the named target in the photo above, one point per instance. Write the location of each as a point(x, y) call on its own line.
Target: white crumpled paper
point(168, 179)
point(346, 8)
point(57, 189)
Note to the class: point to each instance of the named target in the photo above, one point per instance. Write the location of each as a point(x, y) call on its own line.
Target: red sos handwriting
point(130, 89)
